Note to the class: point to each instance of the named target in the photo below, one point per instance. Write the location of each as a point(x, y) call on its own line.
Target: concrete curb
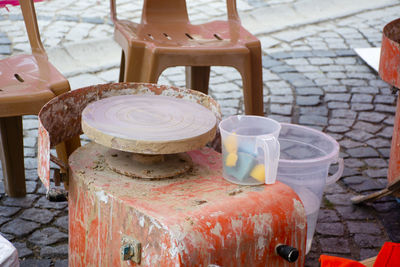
point(89, 56)
point(101, 54)
point(276, 18)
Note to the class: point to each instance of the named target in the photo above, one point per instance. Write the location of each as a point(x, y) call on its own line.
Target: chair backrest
point(164, 11)
point(31, 25)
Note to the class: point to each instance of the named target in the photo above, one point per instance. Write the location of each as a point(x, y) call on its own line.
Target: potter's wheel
point(148, 135)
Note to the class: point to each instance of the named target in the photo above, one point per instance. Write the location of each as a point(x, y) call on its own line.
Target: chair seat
point(27, 82)
point(219, 36)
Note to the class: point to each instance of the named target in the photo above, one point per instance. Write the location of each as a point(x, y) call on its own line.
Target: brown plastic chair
point(27, 82)
point(166, 38)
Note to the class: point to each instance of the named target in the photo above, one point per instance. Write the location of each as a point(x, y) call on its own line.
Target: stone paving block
point(5, 50)
point(282, 99)
point(19, 227)
point(335, 89)
point(35, 263)
point(337, 129)
point(330, 229)
point(334, 188)
point(336, 245)
point(361, 98)
point(24, 202)
point(56, 251)
point(364, 228)
point(309, 91)
point(387, 132)
point(336, 75)
point(361, 75)
point(368, 127)
point(365, 90)
point(385, 152)
point(61, 263)
point(368, 241)
point(344, 122)
point(321, 61)
point(307, 100)
point(23, 251)
point(378, 83)
point(8, 211)
point(376, 162)
point(62, 222)
point(326, 82)
point(385, 108)
point(281, 109)
point(4, 220)
point(352, 212)
point(45, 204)
point(30, 186)
point(347, 143)
point(379, 142)
point(320, 110)
point(358, 135)
point(376, 173)
point(332, 68)
point(306, 68)
point(42, 216)
point(327, 216)
point(362, 152)
point(314, 75)
point(47, 236)
point(313, 120)
point(362, 107)
point(30, 163)
point(353, 162)
point(337, 97)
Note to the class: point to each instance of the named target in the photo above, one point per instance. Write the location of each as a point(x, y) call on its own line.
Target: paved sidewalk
point(311, 76)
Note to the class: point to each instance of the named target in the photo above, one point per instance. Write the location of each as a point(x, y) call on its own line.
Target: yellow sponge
point(231, 143)
point(231, 159)
point(258, 172)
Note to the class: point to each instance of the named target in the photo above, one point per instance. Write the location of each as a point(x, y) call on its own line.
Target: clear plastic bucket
point(250, 149)
point(305, 157)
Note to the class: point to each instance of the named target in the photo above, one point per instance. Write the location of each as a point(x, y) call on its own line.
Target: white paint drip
point(299, 209)
point(217, 231)
point(102, 196)
point(155, 223)
point(216, 214)
point(141, 221)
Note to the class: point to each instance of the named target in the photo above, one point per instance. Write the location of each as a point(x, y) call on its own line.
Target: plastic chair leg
point(122, 67)
point(133, 66)
point(253, 92)
point(197, 78)
point(12, 156)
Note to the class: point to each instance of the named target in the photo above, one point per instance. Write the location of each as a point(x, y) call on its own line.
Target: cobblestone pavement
point(312, 77)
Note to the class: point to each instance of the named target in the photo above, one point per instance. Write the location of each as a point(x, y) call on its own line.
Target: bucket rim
point(331, 157)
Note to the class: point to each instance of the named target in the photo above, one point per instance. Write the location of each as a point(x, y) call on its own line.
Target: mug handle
point(271, 147)
point(334, 177)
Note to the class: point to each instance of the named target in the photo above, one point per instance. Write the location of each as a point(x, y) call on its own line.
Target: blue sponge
point(247, 147)
point(244, 165)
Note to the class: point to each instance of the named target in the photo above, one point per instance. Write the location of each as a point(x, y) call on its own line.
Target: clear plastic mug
point(250, 149)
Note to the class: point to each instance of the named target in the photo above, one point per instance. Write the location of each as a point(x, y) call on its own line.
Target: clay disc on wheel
point(149, 124)
point(124, 163)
